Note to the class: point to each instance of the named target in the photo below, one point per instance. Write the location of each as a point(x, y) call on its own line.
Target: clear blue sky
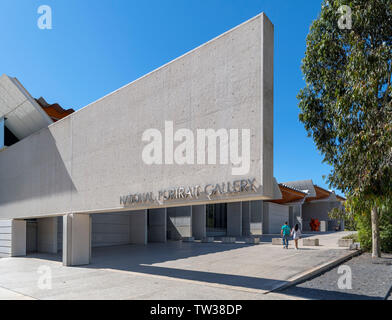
point(97, 46)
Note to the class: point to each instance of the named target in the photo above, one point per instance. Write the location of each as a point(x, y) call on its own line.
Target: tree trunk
point(376, 250)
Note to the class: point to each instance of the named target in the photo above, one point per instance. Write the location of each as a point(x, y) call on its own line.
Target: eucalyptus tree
point(346, 104)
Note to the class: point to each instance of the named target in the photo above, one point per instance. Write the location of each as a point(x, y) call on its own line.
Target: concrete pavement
point(167, 271)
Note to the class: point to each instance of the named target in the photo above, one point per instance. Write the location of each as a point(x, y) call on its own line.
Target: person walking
point(296, 233)
point(285, 233)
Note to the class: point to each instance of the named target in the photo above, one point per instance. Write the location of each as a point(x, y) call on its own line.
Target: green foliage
point(348, 217)
point(364, 226)
point(361, 208)
point(354, 237)
point(346, 106)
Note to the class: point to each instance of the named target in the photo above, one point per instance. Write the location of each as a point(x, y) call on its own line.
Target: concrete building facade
point(69, 184)
point(75, 184)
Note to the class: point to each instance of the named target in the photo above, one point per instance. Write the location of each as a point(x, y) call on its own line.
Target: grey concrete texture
point(179, 222)
point(85, 162)
point(110, 229)
point(274, 217)
point(321, 208)
point(12, 238)
point(5, 238)
point(199, 222)
point(311, 242)
point(157, 227)
point(24, 115)
point(256, 218)
point(76, 239)
point(234, 219)
point(175, 270)
point(138, 227)
point(246, 216)
point(47, 235)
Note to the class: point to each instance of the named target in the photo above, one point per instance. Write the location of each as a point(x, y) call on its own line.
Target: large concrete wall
point(85, 162)
point(275, 215)
point(318, 210)
point(110, 229)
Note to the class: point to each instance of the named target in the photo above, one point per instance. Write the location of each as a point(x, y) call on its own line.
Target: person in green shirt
point(285, 233)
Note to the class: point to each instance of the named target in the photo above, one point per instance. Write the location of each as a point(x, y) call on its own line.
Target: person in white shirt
point(296, 233)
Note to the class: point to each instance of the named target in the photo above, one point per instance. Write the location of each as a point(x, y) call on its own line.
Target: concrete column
point(47, 235)
point(256, 218)
point(157, 228)
point(245, 218)
point(18, 238)
point(179, 222)
point(266, 229)
point(138, 227)
point(199, 229)
point(234, 219)
point(76, 239)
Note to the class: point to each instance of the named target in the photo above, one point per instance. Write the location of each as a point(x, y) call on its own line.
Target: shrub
point(346, 215)
point(364, 225)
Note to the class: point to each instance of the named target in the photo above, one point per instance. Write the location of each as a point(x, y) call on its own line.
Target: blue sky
point(95, 47)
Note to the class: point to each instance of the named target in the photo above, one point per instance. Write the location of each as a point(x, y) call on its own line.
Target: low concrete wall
point(277, 241)
point(310, 242)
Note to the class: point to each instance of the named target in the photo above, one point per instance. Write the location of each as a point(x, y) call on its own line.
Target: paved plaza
point(175, 270)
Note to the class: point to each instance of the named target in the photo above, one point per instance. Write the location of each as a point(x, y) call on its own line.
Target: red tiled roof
point(54, 111)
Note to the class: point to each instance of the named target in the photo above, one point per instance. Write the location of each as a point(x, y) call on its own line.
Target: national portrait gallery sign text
point(191, 192)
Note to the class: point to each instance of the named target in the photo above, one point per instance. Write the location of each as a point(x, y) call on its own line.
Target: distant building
point(307, 201)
